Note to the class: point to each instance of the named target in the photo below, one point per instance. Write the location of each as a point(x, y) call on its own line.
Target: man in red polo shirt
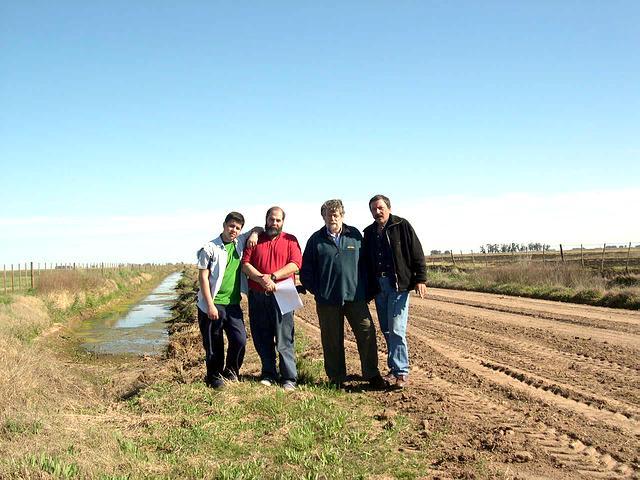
point(276, 257)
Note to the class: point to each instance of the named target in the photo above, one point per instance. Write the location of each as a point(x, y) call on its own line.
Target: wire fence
point(602, 257)
point(22, 277)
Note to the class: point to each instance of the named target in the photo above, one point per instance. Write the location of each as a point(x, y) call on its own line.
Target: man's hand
point(265, 282)
point(421, 289)
point(212, 312)
point(252, 240)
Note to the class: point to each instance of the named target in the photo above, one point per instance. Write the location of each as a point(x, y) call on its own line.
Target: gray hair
point(332, 205)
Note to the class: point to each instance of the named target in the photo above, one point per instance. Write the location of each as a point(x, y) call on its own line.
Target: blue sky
point(128, 129)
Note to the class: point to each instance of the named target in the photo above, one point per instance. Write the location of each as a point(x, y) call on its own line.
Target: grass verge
point(564, 283)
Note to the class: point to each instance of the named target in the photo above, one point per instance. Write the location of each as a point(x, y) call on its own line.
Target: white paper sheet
point(287, 296)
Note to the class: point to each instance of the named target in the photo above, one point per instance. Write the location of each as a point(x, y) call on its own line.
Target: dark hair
point(380, 197)
point(272, 209)
point(235, 216)
point(332, 205)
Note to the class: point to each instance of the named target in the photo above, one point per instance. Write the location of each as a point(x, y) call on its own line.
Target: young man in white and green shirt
point(221, 285)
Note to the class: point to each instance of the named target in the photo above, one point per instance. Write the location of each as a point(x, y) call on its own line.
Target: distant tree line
point(518, 247)
point(504, 248)
point(513, 247)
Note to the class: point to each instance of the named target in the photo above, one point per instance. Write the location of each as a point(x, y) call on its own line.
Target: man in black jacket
point(395, 265)
point(332, 271)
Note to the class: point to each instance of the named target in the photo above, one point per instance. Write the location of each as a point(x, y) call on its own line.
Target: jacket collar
point(220, 243)
point(346, 229)
point(391, 222)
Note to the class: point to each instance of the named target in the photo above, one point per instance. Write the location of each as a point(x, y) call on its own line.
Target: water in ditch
point(142, 330)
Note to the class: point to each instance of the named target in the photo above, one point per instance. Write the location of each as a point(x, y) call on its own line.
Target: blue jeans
point(393, 312)
point(269, 329)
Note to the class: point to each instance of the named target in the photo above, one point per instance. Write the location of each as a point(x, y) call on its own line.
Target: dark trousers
point(271, 331)
point(331, 319)
point(230, 321)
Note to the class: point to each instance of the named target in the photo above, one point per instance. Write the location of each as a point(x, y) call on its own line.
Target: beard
point(272, 231)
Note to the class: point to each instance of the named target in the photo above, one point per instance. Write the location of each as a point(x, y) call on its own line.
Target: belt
point(258, 292)
point(382, 274)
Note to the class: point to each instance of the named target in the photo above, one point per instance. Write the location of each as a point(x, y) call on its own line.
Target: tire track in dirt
point(505, 349)
point(551, 324)
point(534, 386)
point(563, 450)
point(571, 312)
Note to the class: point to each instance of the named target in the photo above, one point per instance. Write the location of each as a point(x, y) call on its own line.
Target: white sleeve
point(204, 259)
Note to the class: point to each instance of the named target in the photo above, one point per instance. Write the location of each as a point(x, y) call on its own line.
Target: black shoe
point(230, 376)
point(216, 381)
point(378, 383)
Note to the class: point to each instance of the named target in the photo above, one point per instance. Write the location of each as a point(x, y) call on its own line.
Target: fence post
point(626, 267)
point(543, 259)
point(31, 274)
point(4, 277)
point(602, 263)
point(452, 258)
point(12, 280)
point(561, 253)
point(581, 256)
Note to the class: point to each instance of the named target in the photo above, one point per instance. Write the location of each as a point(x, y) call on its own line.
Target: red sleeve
point(246, 255)
point(295, 254)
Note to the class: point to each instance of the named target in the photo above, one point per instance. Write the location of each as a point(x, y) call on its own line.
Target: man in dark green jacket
point(333, 273)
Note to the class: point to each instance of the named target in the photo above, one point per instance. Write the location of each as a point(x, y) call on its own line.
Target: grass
point(250, 431)
point(67, 418)
point(551, 281)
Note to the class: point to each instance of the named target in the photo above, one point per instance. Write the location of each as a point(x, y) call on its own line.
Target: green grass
point(249, 431)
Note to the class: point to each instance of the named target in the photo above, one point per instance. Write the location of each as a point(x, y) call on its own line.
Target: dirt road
point(516, 388)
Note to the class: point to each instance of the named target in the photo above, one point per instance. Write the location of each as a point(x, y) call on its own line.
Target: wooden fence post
point(602, 263)
point(581, 256)
point(543, 259)
point(452, 258)
point(19, 276)
point(561, 253)
point(626, 267)
point(12, 280)
point(32, 275)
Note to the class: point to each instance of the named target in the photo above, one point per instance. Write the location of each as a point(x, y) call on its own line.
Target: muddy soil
point(504, 387)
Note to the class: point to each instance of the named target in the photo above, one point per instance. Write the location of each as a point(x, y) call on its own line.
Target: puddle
point(139, 331)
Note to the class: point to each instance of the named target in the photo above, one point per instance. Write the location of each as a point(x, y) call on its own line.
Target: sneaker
point(289, 386)
point(230, 376)
point(401, 381)
point(378, 383)
point(267, 382)
point(216, 381)
point(390, 378)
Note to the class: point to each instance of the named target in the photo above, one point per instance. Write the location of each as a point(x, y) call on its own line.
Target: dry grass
point(538, 274)
point(552, 281)
point(23, 318)
point(57, 414)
